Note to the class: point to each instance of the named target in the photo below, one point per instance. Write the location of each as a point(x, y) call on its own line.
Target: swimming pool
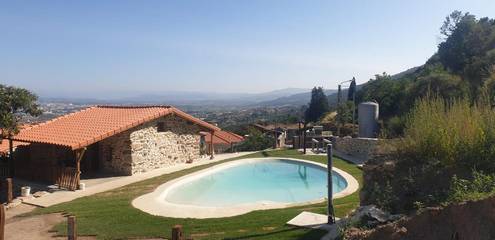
point(274, 180)
point(244, 185)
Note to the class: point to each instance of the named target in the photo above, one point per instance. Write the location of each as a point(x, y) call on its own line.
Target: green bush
point(478, 187)
point(256, 141)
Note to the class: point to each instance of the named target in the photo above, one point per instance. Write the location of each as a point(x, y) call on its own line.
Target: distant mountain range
point(283, 97)
point(297, 99)
point(287, 96)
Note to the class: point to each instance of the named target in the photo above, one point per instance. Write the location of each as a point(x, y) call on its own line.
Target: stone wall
point(144, 147)
point(361, 148)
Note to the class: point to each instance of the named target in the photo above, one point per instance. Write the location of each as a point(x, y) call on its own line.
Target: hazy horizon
point(93, 49)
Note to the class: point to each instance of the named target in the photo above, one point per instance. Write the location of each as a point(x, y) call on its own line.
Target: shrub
point(480, 186)
point(256, 141)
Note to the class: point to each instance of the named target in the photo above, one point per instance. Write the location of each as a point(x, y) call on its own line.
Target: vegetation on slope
point(464, 66)
point(446, 155)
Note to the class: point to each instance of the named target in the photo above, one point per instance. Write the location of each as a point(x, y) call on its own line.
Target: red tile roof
point(223, 137)
point(82, 128)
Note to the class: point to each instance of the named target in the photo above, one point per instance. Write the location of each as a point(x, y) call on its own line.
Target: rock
point(372, 216)
point(40, 194)
point(25, 198)
point(16, 202)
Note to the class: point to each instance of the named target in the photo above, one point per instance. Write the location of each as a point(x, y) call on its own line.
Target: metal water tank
point(368, 119)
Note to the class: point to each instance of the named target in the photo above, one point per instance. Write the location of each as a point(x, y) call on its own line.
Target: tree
point(344, 113)
point(318, 105)
point(450, 23)
point(468, 48)
point(352, 90)
point(443, 84)
point(14, 104)
point(387, 92)
point(256, 141)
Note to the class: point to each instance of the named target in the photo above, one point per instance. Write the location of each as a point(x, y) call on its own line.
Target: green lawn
point(109, 215)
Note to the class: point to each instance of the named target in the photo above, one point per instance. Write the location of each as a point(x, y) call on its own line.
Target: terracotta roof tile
point(223, 137)
point(82, 128)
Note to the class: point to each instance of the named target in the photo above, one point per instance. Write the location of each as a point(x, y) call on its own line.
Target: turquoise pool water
point(275, 180)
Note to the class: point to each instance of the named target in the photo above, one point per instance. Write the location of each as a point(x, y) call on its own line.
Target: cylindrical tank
point(368, 119)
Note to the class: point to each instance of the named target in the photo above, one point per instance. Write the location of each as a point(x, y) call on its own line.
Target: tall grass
point(456, 134)
point(443, 139)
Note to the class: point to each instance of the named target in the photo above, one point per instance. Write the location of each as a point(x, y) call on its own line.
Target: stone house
point(118, 140)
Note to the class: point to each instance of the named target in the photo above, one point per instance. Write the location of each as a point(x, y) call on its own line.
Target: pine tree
point(318, 105)
point(352, 90)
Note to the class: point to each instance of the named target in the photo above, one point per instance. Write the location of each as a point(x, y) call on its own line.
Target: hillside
point(295, 100)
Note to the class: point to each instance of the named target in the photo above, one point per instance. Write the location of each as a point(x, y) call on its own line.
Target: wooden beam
point(79, 155)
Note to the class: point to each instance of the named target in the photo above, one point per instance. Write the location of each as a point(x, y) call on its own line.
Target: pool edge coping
point(152, 202)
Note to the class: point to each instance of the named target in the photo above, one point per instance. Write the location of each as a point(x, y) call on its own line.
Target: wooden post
point(8, 190)
point(212, 150)
point(79, 156)
point(71, 228)
point(11, 158)
point(2, 222)
point(177, 232)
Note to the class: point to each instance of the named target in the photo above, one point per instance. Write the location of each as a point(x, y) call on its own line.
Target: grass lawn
point(109, 215)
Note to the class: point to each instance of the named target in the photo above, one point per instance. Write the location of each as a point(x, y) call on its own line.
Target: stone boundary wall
point(144, 148)
point(362, 148)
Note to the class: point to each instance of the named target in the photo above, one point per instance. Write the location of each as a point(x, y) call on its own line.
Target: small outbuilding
point(223, 141)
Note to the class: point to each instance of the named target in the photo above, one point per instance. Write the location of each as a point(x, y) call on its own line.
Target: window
point(160, 127)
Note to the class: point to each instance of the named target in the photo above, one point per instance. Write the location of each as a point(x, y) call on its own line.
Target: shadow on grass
point(265, 154)
point(311, 234)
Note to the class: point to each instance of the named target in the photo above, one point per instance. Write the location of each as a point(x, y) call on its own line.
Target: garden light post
point(330, 211)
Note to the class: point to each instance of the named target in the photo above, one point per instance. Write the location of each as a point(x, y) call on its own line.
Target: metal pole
point(330, 210)
point(299, 135)
point(304, 138)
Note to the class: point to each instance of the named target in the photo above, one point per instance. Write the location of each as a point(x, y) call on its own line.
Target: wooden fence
point(64, 177)
point(68, 178)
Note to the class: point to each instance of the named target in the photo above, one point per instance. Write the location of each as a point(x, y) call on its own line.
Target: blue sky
point(114, 48)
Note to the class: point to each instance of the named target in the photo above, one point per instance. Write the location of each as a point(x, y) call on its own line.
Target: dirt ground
point(33, 227)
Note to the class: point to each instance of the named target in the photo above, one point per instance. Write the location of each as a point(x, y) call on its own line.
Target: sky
point(116, 48)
